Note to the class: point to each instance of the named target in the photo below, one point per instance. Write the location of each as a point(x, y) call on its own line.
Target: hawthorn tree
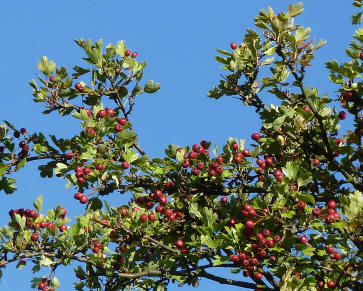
point(285, 212)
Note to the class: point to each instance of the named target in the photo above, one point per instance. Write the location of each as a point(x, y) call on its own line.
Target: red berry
point(195, 171)
point(330, 250)
point(110, 112)
point(87, 171)
point(269, 161)
point(122, 121)
point(321, 284)
point(83, 199)
point(361, 55)
point(219, 159)
point(316, 212)
point(201, 166)
point(118, 127)
point(246, 153)
point(330, 218)
point(159, 209)
point(316, 162)
point(184, 251)
point(342, 115)
point(307, 108)
point(68, 156)
point(278, 173)
point(249, 224)
point(331, 284)
point(100, 167)
point(196, 148)
point(185, 164)
point(78, 196)
point(101, 113)
point(303, 239)
point(96, 250)
point(337, 256)
point(255, 136)
point(163, 200)
point(143, 217)
point(212, 172)
point(301, 204)
point(332, 204)
point(192, 155)
point(62, 228)
point(134, 55)
point(266, 232)
point(151, 217)
point(235, 146)
point(233, 45)
point(258, 275)
point(79, 87)
point(125, 165)
point(224, 199)
point(179, 243)
point(235, 258)
point(276, 238)
point(168, 212)
point(34, 237)
point(51, 78)
point(127, 53)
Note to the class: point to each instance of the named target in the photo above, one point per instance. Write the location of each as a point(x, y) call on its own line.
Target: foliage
point(291, 222)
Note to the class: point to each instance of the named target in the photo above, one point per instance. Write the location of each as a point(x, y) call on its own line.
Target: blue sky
point(178, 40)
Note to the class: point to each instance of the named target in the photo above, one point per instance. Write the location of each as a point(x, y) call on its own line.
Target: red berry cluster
point(43, 285)
point(330, 214)
point(97, 247)
point(128, 54)
point(82, 173)
point(196, 160)
point(81, 197)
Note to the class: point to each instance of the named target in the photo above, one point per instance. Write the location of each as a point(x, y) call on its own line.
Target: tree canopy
point(284, 213)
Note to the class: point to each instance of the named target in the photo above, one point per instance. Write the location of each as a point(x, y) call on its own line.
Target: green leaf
point(193, 210)
point(268, 61)
point(220, 260)
point(8, 185)
point(61, 169)
point(304, 179)
point(38, 203)
point(357, 18)
point(151, 87)
point(20, 220)
point(130, 156)
point(45, 261)
point(355, 206)
point(295, 10)
point(290, 170)
point(2, 169)
point(125, 137)
point(46, 67)
point(20, 164)
point(302, 34)
point(54, 282)
point(270, 51)
point(309, 251)
point(94, 204)
point(121, 48)
point(40, 148)
point(209, 217)
point(288, 213)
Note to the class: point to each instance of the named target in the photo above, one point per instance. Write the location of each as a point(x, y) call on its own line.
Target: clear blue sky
point(177, 39)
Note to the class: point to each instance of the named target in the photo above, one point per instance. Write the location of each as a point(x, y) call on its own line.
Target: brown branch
point(226, 281)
